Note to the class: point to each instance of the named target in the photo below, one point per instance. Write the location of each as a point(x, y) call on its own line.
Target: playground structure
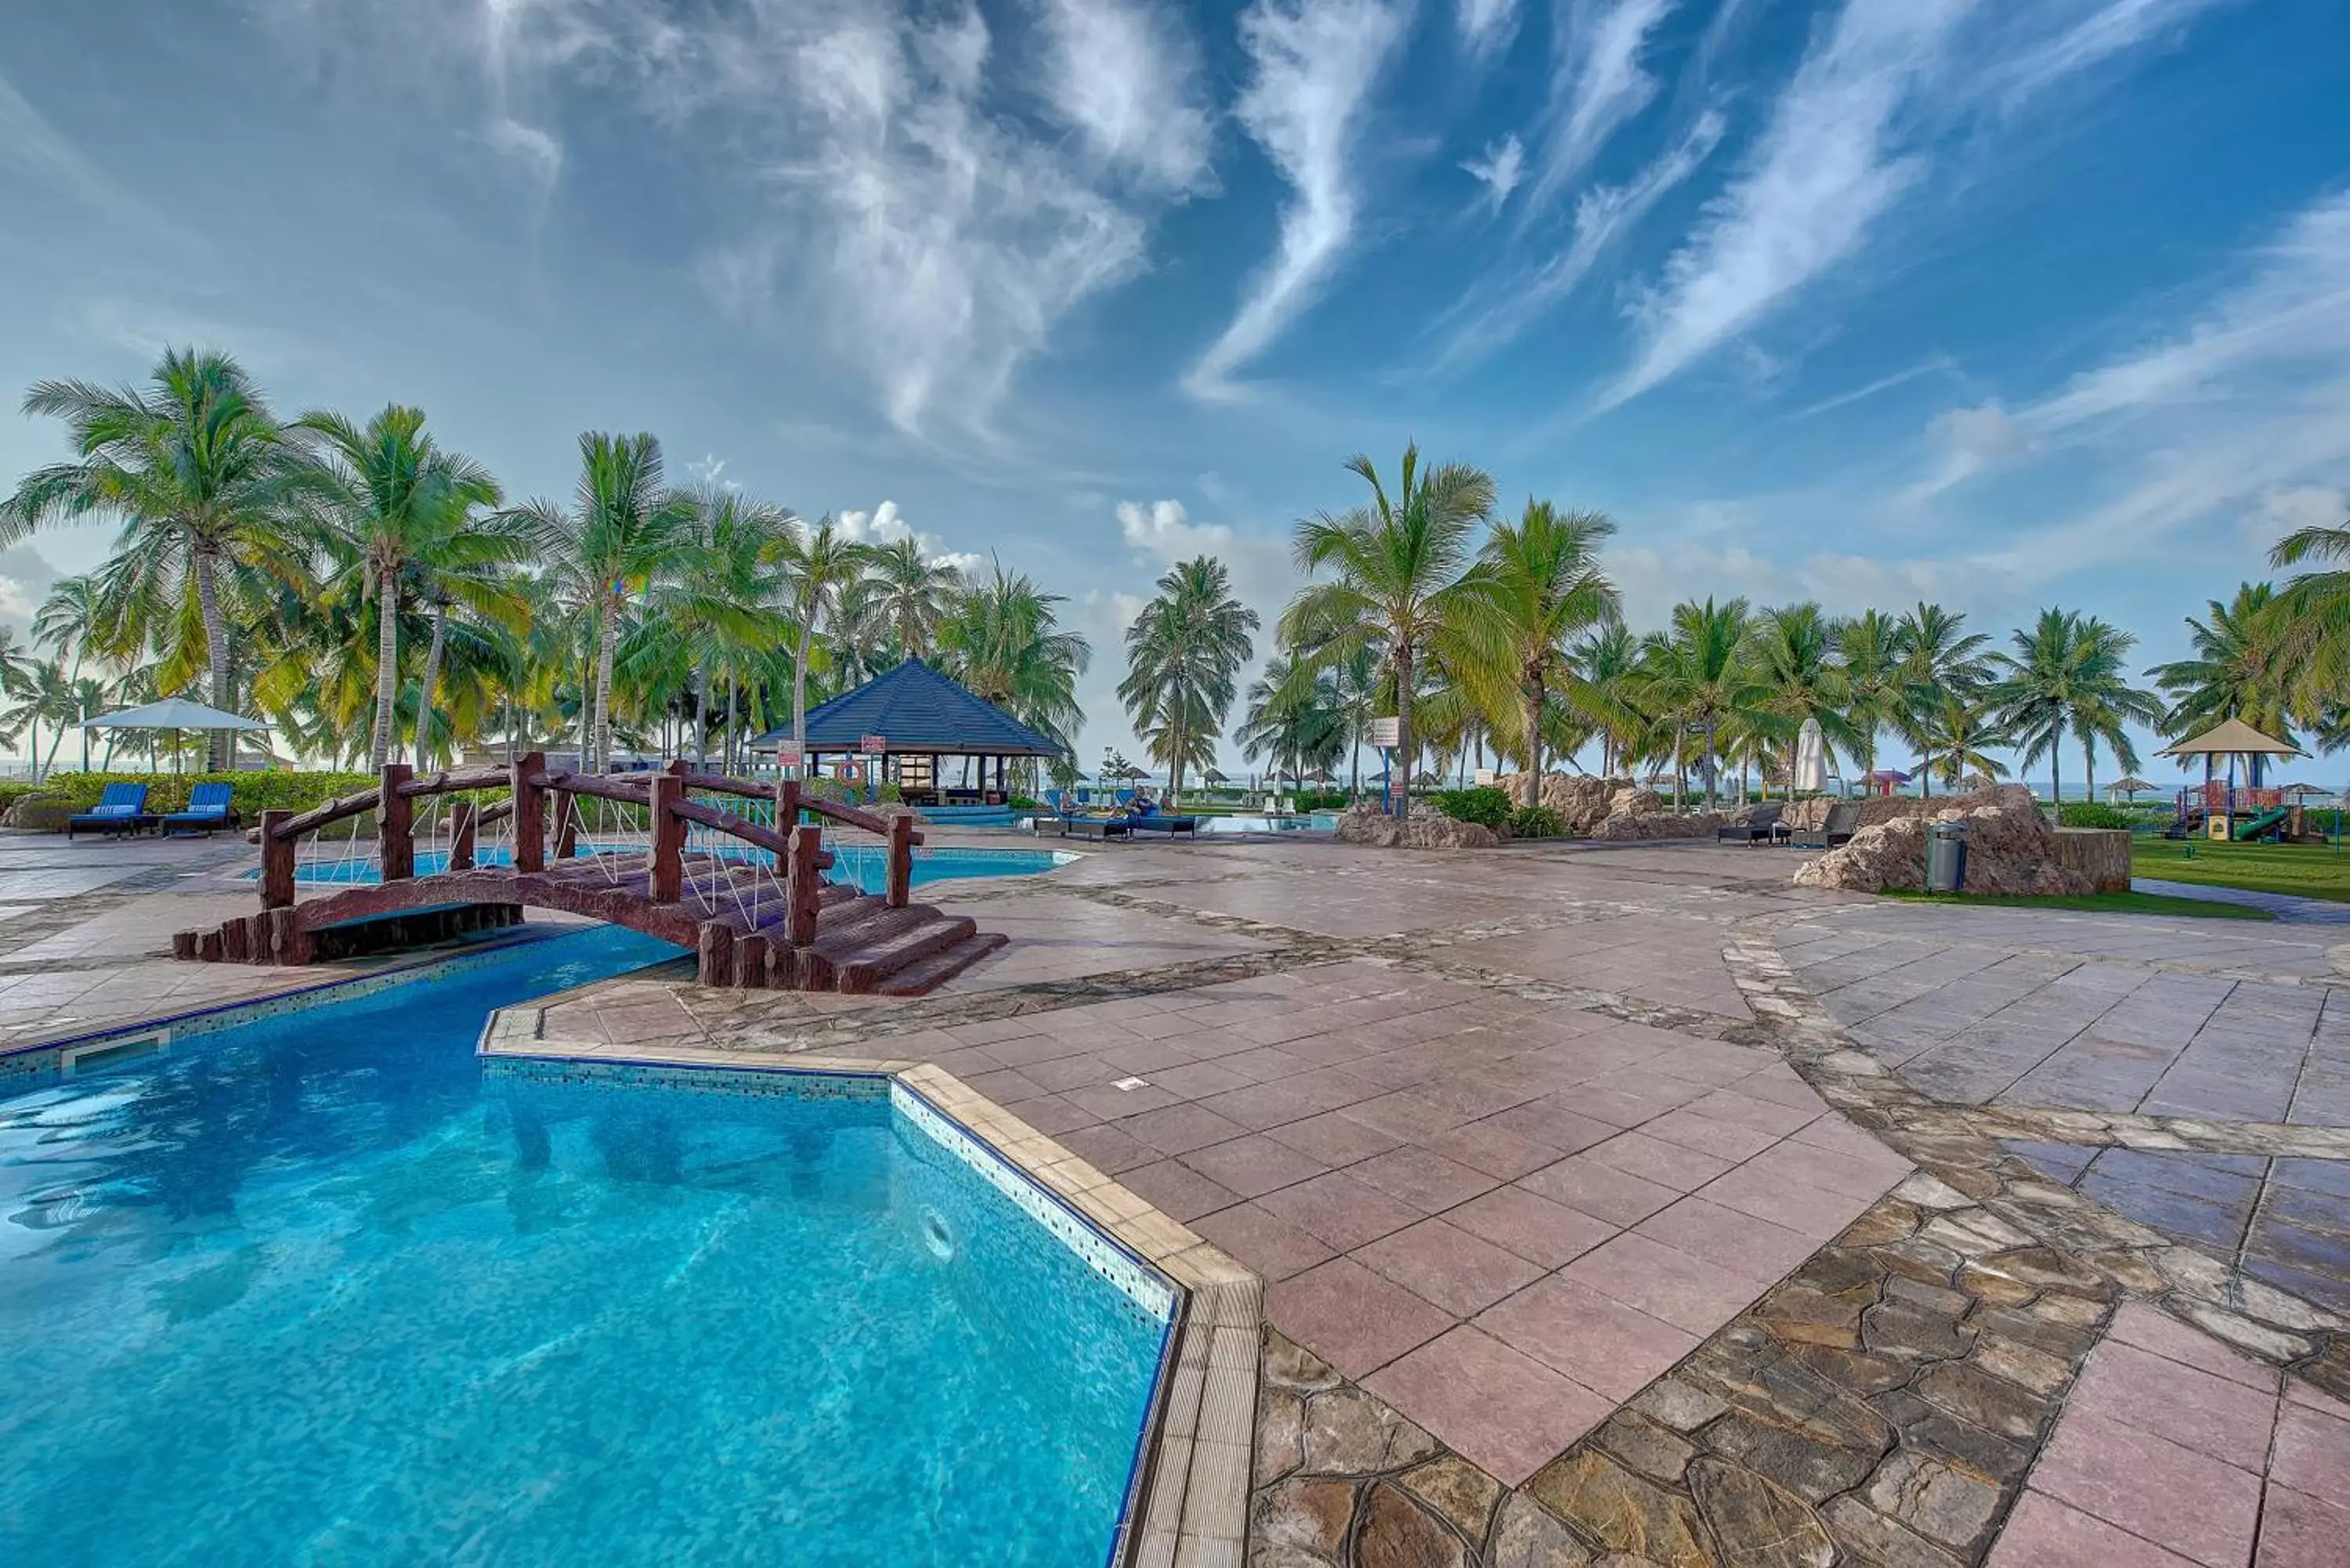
point(2223, 809)
point(727, 868)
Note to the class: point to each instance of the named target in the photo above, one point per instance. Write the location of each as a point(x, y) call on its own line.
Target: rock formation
point(1425, 829)
point(2011, 850)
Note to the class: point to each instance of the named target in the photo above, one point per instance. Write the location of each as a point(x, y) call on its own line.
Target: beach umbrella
point(176, 714)
point(2303, 792)
point(1810, 757)
point(2130, 786)
point(1214, 777)
point(1884, 779)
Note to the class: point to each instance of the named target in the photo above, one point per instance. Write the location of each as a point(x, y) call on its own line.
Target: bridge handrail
point(757, 834)
point(854, 817)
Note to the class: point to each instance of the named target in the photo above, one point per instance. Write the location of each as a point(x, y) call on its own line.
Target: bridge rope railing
point(733, 844)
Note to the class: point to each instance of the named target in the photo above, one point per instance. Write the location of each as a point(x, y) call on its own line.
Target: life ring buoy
point(851, 772)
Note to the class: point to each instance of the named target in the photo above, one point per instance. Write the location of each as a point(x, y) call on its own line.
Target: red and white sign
point(874, 745)
point(787, 755)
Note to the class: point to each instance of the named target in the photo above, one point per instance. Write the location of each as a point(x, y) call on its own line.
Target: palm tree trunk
point(431, 681)
point(608, 639)
point(1401, 787)
point(220, 744)
point(702, 713)
point(387, 670)
point(799, 694)
point(1533, 739)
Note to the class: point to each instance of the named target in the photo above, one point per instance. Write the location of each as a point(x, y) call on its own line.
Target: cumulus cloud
point(2289, 508)
point(1164, 531)
point(886, 526)
point(25, 576)
point(1315, 64)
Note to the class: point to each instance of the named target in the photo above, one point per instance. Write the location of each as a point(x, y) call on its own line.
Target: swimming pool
point(319, 1289)
point(865, 865)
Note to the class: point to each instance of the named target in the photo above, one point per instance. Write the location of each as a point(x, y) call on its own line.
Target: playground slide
point(2268, 824)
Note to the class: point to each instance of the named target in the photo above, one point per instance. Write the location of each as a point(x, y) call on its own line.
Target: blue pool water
point(865, 865)
point(321, 1290)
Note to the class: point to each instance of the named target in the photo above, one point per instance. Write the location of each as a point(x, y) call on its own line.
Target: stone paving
point(1631, 1205)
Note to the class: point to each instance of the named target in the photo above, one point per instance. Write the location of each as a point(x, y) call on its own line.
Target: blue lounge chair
point(208, 808)
point(121, 808)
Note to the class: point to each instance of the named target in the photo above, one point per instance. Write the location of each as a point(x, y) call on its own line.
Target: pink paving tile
point(2194, 1505)
point(1497, 1151)
point(1734, 1105)
point(1503, 1410)
point(1756, 1248)
point(1546, 1122)
point(1428, 1182)
point(1334, 1138)
point(1263, 1064)
point(1351, 1317)
point(1180, 1129)
point(1474, 1096)
point(1599, 1343)
point(1052, 1115)
point(1688, 1293)
point(1807, 1211)
point(2300, 1392)
point(1703, 1061)
point(1402, 1069)
point(1863, 1176)
point(2298, 1530)
point(1176, 1191)
point(1581, 1182)
point(1340, 1210)
point(1106, 1148)
point(1406, 1114)
point(1254, 1165)
point(2151, 1328)
point(2210, 1415)
point(1534, 1228)
point(1673, 1165)
point(1069, 1072)
point(1110, 1104)
point(2046, 1533)
point(2312, 1452)
point(1617, 1108)
point(1262, 1241)
point(1727, 1142)
point(1455, 1269)
point(1190, 1080)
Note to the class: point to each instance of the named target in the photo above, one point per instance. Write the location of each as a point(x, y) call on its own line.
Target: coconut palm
point(1956, 738)
point(1606, 665)
point(907, 596)
point(820, 567)
point(47, 695)
point(1697, 674)
point(2238, 670)
point(1300, 727)
point(1183, 653)
point(2314, 616)
point(709, 608)
point(1939, 659)
point(198, 472)
point(2066, 677)
point(1536, 585)
point(393, 503)
point(1002, 640)
point(1868, 646)
point(622, 525)
point(1792, 650)
point(1397, 562)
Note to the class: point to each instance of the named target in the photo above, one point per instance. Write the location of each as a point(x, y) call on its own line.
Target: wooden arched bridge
point(678, 855)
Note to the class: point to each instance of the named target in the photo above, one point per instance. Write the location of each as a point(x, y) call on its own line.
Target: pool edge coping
point(1197, 1459)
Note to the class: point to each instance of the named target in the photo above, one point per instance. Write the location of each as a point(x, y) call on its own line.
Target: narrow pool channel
point(324, 1289)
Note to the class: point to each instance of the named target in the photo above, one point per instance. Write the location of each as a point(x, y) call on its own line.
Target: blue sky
point(2000, 302)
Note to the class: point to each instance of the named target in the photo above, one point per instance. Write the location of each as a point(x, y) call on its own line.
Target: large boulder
point(1582, 801)
point(1423, 829)
point(1654, 823)
point(2010, 851)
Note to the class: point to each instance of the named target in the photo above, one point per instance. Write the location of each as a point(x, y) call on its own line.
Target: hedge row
point(251, 792)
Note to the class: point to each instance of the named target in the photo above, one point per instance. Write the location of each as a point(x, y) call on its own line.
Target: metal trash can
point(1946, 857)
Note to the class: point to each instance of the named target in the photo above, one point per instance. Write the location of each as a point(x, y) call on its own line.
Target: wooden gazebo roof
point(916, 709)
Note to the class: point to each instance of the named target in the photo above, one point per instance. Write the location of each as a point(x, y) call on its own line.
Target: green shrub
point(251, 792)
point(1535, 822)
point(1487, 805)
point(2090, 814)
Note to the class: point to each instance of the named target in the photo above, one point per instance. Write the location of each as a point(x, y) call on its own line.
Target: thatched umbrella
point(2130, 786)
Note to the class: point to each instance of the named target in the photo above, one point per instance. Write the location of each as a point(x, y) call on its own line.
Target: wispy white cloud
point(1597, 86)
point(1316, 63)
point(1932, 365)
point(1825, 168)
point(1603, 217)
point(37, 151)
point(1487, 27)
point(2077, 36)
point(1124, 75)
point(1499, 168)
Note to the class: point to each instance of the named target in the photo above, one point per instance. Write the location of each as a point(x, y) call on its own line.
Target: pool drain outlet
point(937, 1237)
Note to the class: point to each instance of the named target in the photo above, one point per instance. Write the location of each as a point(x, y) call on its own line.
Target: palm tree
point(623, 524)
point(1397, 562)
point(2314, 616)
point(198, 472)
point(1869, 648)
point(1300, 727)
point(820, 567)
point(1002, 640)
point(1606, 665)
point(1183, 653)
point(709, 609)
point(1538, 583)
point(908, 596)
point(2066, 676)
point(1698, 674)
point(46, 696)
point(1792, 650)
point(1939, 659)
point(2237, 671)
point(1956, 736)
point(393, 503)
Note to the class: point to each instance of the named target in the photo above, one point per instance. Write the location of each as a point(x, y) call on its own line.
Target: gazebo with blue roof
point(913, 716)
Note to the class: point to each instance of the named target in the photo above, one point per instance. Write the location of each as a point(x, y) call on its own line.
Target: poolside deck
point(1586, 1186)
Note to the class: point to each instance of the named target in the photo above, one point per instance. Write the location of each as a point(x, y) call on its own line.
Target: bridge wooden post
point(277, 861)
point(787, 811)
point(395, 824)
point(529, 813)
point(567, 826)
point(666, 864)
point(463, 827)
point(901, 861)
point(803, 894)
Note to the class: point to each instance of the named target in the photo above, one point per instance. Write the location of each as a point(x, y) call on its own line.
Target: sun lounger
point(1843, 821)
point(1757, 828)
point(121, 808)
point(1152, 822)
point(208, 808)
point(1102, 827)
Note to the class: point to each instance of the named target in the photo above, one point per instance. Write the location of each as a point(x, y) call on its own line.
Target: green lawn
point(2307, 870)
point(2101, 904)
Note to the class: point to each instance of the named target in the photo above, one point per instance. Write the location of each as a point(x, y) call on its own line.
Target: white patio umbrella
point(172, 713)
point(1810, 757)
